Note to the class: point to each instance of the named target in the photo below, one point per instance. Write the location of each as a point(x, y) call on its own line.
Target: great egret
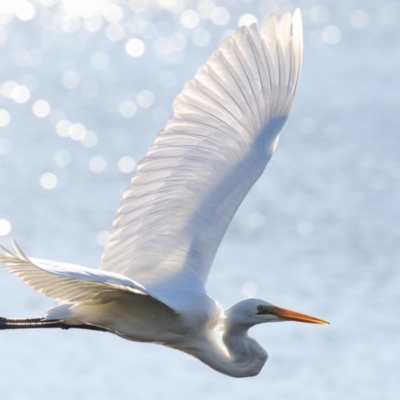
point(151, 283)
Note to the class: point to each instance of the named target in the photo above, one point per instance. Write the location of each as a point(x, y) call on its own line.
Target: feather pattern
point(68, 282)
point(202, 164)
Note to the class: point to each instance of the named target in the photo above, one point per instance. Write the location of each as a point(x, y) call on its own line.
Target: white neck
point(241, 357)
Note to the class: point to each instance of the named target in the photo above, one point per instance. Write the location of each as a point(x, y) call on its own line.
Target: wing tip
point(7, 256)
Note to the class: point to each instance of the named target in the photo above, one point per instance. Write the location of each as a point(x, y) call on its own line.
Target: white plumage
point(152, 276)
point(222, 134)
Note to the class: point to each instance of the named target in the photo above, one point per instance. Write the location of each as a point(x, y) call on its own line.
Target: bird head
point(250, 312)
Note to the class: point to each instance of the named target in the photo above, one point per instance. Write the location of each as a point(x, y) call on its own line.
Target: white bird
point(151, 283)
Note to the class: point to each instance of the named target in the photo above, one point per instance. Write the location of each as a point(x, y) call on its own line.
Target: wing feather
point(221, 136)
point(67, 282)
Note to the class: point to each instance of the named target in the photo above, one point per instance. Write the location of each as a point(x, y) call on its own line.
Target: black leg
point(27, 323)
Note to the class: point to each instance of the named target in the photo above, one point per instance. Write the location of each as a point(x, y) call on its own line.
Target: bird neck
point(238, 356)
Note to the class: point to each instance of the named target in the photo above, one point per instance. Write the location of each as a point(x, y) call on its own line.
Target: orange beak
point(295, 316)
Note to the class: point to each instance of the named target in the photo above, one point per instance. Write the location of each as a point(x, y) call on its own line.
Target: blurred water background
point(84, 88)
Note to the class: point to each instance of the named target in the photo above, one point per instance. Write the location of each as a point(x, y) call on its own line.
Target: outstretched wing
point(67, 282)
point(215, 146)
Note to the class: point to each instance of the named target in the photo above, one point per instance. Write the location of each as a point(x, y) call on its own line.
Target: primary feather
point(202, 164)
point(67, 282)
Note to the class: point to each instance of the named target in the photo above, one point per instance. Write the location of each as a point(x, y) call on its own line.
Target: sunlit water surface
point(85, 86)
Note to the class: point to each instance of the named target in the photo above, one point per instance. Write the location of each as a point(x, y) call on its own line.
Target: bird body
point(150, 286)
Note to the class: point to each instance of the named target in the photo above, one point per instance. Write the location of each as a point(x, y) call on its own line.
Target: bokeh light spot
point(5, 117)
point(247, 20)
point(250, 289)
point(77, 132)
point(115, 32)
point(113, 13)
point(97, 164)
point(135, 47)
point(127, 108)
point(190, 19)
point(24, 10)
point(145, 98)
point(177, 41)
point(7, 88)
point(90, 139)
point(48, 181)
point(388, 15)
point(205, 8)
point(83, 8)
point(331, 34)
point(41, 108)
point(5, 146)
point(21, 94)
point(319, 14)
point(70, 24)
point(220, 16)
point(359, 18)
point(62, 158)
point(62, 127)
point(93, 23)
point(5, 227)
point(102, 238)
point(126, 164)
point(71, 80)
point(201, 37)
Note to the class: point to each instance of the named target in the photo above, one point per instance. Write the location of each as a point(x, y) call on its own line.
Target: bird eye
point(260, 308)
